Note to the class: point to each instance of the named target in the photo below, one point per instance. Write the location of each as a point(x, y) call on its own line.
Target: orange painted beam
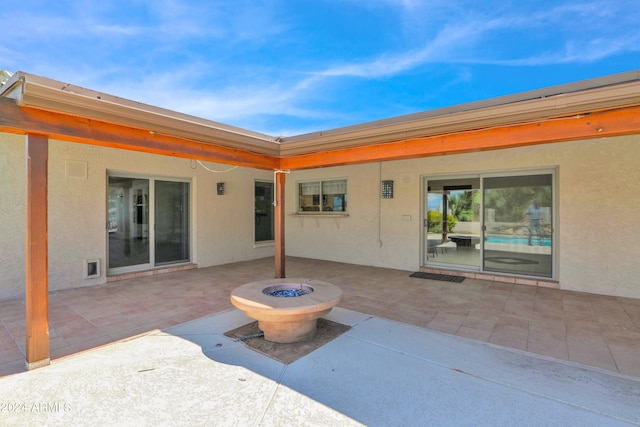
point(279, 225)
point(37, 285)
point(596, 125)
point(14, 119)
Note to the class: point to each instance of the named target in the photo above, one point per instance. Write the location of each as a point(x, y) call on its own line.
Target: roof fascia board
point(560, 105)
point(580, 86)
point(47, 94)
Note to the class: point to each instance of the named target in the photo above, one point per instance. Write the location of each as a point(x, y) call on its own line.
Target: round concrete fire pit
point(287, 310)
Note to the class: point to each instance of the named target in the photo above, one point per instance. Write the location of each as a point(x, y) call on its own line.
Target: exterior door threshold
point(543, 283)
point(152, 272)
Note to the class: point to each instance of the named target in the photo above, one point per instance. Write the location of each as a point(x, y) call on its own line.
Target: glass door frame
point(264, 210)
point(425, 250)
point(151, 222)
point(432, 262)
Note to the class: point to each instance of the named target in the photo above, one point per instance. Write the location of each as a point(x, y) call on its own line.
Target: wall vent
point(91, 268)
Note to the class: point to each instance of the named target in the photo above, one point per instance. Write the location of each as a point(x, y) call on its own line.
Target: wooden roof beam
point(584, 126)
point(22, 120)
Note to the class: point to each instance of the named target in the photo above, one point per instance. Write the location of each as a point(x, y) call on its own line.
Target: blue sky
point(286, 67)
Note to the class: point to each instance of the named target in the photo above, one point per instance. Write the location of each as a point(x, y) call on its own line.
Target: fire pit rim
point(281, 319)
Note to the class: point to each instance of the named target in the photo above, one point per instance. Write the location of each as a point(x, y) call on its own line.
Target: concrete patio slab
point(380, 373)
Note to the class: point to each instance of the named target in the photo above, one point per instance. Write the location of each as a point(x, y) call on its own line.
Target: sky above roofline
point(293, 67)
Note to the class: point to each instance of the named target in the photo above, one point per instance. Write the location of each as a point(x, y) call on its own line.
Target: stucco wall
point(354, 239)
point(598, 209)
point(12, 214)
point(222, 225)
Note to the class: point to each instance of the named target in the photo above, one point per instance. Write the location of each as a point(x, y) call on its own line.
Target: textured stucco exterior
point(221, 226)
point(597, 226)
point(12, 214)
point(598, 201)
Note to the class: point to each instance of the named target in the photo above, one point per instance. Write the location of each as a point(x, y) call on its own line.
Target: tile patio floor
point(594, 330)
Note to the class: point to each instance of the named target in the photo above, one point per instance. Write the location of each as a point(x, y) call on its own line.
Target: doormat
point(434, 276)
point(288, 353)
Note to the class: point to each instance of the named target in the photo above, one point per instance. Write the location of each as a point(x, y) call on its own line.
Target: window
point(264, 211)
point(322, 196)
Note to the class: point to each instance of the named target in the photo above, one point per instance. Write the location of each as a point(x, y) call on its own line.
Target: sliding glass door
point(128, 223)
point(501, 223)
point(147, 223)
point(453, 222)
point(518, 218)
point(171, 222)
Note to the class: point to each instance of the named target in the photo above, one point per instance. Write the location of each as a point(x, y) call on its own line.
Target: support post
point(279, 225)
point(36, 284)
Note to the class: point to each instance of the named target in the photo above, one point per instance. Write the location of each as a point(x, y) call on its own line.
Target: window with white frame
point(328, 196)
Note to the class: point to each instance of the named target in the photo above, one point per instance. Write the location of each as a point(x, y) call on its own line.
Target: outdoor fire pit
point(287, 310)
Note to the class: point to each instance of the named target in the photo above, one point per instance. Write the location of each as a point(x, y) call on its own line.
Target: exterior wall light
point(387, 189)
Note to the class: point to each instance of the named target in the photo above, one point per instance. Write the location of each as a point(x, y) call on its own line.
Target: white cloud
point(474, 41)
point(438, 49)
point(181, 89)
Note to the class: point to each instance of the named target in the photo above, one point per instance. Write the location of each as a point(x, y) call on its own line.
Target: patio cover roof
point(98, 118)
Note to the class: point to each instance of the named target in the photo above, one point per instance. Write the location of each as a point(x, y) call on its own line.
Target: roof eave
point(617, 91)
point(579, 98)
point(42, 93)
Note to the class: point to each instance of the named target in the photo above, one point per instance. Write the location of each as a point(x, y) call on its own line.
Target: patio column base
point(35, 365)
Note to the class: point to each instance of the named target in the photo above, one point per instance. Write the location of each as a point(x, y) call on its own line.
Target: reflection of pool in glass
point(517, 240)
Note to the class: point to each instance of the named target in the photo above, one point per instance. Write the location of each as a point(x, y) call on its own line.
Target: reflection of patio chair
point(434, 245)
point(446, 246)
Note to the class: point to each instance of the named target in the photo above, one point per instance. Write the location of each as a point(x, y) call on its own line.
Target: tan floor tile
point(626, 358)
point(11, 354)
point(596, 330)
point(551, 348)
point(479, 321)
point(512, 324)
point(507, 339)
point(592, 352)
point(547, 316)
point(12, 367)
point(93, 342)
point(63, 351)
point(625, 329)
point(447, 322)
point(474, 334)
point(547, 339)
